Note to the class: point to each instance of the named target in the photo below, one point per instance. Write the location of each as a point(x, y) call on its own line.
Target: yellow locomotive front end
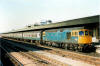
point(84, 37)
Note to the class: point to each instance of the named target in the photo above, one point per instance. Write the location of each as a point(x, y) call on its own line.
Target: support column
point(41, 37)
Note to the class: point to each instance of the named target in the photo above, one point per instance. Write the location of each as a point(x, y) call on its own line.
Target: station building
point(91, 23)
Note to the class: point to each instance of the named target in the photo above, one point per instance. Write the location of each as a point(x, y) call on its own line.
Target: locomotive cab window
point(76, 34)
point(68, 34)
point(81, 33)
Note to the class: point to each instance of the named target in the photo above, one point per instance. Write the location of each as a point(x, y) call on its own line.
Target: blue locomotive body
point(60, 36)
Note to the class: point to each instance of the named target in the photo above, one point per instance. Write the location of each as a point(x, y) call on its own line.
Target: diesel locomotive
point(68, 38)
point(74, 39)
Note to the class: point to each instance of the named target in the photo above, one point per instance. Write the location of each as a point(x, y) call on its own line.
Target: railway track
point(94, 54)
point(12, 58)
point(89, 59)
point(85, 58)
point(35, 57)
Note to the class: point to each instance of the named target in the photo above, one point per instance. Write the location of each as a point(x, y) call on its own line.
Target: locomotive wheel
point(59, 45)
point(68, 46)
point(73, 47)
point(76, 47)
point(93, 48)
point(51, 44)
point(63, 45)
point(46, 43)
point(80, 49)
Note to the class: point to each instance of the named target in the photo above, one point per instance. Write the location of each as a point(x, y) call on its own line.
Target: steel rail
point(19, 63)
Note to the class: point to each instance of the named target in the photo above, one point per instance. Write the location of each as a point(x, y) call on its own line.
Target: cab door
point(68, 34)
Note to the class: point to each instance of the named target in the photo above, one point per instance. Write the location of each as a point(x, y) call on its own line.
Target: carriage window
point(86, 33)
point(76, 33)
point(68, 35)
point(72, 33)
point(81, 33)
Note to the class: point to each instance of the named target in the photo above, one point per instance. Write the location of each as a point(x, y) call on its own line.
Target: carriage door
point(68, 34)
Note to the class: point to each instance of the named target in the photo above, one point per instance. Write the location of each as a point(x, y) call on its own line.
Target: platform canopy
point(74, 22)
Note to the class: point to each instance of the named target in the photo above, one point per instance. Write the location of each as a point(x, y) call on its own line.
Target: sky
point(15, 14)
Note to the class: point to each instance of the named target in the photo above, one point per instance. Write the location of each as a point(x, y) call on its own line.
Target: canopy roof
point(80, 21)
